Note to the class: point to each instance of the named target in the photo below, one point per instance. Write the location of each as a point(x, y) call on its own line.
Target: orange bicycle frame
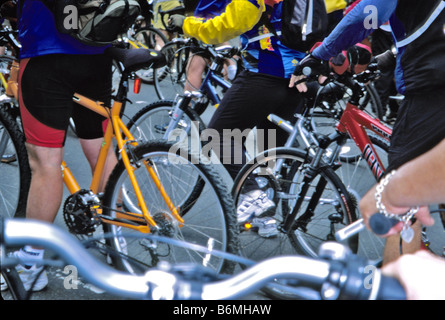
point(115, 128)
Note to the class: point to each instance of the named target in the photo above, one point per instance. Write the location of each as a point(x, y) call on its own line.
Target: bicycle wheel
point(325, 208)
point(432, 236)
point(359, 179)
point(150, 38)
point(172, 84)
point(14, 168)
point(209, 215)
point(371, 102)
point(15, 285)
point(278, 172)
point(150, 123)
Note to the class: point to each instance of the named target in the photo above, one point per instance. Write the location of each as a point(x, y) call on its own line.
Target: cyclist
point(255, 93)
point(163, 5)
point(205, 9)
point(418, 182)
point(420, 124)
point(52, 67)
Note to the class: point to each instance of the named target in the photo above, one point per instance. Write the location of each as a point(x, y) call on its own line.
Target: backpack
point(303, 23)
point(95, 22)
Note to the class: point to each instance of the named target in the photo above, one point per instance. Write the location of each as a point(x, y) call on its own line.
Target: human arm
point(355, 27)
point(421, 274)
point(419, 182)
point(239, 16)
point(352, 29)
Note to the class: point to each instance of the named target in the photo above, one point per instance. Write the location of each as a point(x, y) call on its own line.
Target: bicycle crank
point(80, 212)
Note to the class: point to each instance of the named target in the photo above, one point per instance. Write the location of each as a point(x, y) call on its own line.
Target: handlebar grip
point(390, 289)
point(380, 224)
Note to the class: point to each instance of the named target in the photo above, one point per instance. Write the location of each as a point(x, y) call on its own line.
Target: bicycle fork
point(310, 173)
point(178, 112)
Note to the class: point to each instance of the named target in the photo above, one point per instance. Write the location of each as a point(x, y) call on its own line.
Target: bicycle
point(337, 274)
point(151, 189)
point(142, 34)
point(178, 52)
point(312, 200)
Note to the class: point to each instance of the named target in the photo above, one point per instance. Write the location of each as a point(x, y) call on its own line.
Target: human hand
point(308, 67)
point(176, 21)
point(421, 274)
point(368, 207)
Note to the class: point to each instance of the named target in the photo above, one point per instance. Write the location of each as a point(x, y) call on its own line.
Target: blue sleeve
point(355, 27)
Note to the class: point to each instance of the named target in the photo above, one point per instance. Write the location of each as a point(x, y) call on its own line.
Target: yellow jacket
point(334, 5)
point(239, 16)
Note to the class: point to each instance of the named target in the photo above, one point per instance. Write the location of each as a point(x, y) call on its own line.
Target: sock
point(30, 254)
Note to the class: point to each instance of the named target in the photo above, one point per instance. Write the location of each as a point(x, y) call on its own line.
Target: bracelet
point(381, 207)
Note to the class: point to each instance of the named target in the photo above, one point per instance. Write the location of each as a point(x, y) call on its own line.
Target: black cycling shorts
point(46, 87)
point(420, 126)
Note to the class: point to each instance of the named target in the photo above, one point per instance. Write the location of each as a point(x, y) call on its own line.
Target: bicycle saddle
point(135, 59)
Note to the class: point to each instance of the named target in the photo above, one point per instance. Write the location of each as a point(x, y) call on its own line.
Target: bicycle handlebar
point(337, 275)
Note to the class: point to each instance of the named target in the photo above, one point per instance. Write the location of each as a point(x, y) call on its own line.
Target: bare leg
point(91, 149)
point(195, 69)
point(392, 247)
point(46, 190)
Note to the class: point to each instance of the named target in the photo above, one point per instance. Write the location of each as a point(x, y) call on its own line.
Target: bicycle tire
point(172, 84)
point(359, 179)
point(16, 175)
point(146, 37)
point(15, 284)
point(371, 102)
point(201, 221)
point(150, 122)
point(291, 241)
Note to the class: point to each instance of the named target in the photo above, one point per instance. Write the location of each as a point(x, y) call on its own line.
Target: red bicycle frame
point(355, 122)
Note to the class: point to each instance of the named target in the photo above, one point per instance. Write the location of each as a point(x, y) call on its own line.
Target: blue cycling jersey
point(38, 34)
point(420, 63)
point(264, 51)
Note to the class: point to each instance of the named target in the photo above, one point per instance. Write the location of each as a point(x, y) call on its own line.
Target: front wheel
point(151, 122)
point(209, 215)
point(325, 208)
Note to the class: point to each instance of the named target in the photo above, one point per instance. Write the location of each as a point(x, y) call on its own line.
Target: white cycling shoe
point(254, 204)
